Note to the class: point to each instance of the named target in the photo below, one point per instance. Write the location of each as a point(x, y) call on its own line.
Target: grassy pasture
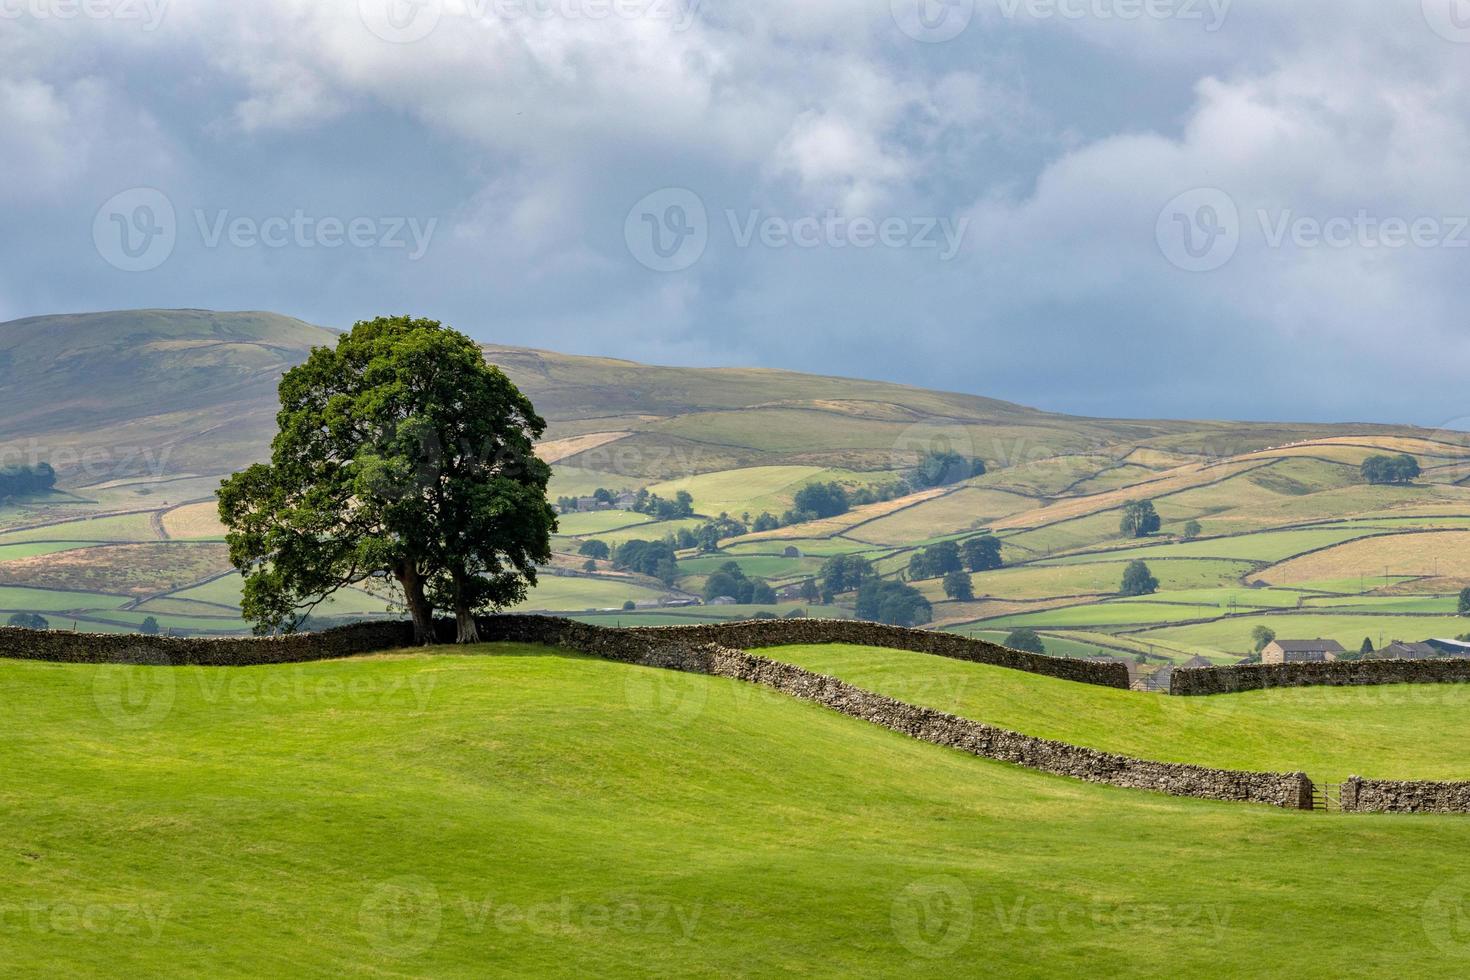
point(752, 488)
point(1391, 732)
point(1111, 614)
point(1265, 546)
point(31, 549)
point(1233, 634)
point(407, 816)
point(121, 527)
point(22, 599)
point(568, 592)
point(1432, 554)
point(598, 522)
point(966, 509)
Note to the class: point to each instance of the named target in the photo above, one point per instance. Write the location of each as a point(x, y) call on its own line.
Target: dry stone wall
point(1343, 673)
point(1389, 796)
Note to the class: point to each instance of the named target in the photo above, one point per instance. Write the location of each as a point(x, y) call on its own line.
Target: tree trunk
point(418, 604)
point(464, 616)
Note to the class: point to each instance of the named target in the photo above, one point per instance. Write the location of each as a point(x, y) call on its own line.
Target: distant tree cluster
point(731, 581)
point(893, 603)
point(935, 561)
point(982, 554)
point(653, 558)
point(1025, 640)
point(939, 469)
point(957, 586)
point(822, 500)
point(1139, 519)
point(1402, 468)
point(597, 550)
point(1464, 608)
point(29, 621)
point(23, 481)
point(843, 573)
point(664, 510)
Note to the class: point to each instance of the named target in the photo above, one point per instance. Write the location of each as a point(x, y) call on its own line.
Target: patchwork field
point(408, 815)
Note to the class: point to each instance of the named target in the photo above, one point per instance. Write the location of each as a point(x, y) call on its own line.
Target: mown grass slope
point(534, 813)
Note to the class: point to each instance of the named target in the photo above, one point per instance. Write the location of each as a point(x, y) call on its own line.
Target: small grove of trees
point(844, 573)
point(29, 621)
point(1464, 607)
point(22, 481)
point(730, 581)
point(938, 469)
point(1026, 640)
point(982, 554)
point(957, 586)
point(821, 500)
point(935, 561)
point(1138, 580)
point(1139, 519)
point(1261, 637)
point(594, 549)
point(653, 558)
point(894, 603)
point(665, 510)
point(1401, 468)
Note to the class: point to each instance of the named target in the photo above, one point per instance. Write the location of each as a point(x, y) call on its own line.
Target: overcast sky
point(1180, 208)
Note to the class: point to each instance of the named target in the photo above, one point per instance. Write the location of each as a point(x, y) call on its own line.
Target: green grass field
point(537, 813)
point(1394, 732)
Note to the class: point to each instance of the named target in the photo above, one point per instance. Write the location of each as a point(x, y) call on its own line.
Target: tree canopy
point(1139, 519)
point(400, 455)
point(1025, 640)
point(1138, 580)
point(1401, 468)
point(941, 468)
point(982, 554)
point(894, 603)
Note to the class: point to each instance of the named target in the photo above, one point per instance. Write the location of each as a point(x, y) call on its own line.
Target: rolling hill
point(142, 412)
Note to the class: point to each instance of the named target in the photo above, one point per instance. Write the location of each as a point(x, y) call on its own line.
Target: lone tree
point(1025, 640)
point(957, 586)
point(1261, 636)
point(1139, 519)
point(1138, 580)
point(401, 454)
point(1192, 530)
point(1465, 602)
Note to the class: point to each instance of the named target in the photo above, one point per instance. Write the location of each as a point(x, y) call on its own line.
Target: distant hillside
point(198, 389)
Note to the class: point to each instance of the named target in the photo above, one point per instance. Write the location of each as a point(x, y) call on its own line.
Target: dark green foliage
point(400, 454)
point(1138, 580)
point(822, 500)
point(629, 606)
point(643, 557)
point(1367, 648)
point(1139, 519)
point(1025, 640)
point(730, 581)
point(665, 510)
point(938, 469)
point(1192, 530)
point(765, 522)
point(932, 562)
point(1261, 636)
point(844, 573)
point(1464, 606)
point(594, 549)
point(957, 586)
point(982, 554)
point(149, 626)
point(22, 481)
point(809, 590)
point(1401, 468)
point(893, 603)
point(30, 621)
point(707, 536)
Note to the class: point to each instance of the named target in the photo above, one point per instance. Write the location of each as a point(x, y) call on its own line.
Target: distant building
point(722, 600)
point(1194, 662)
point(1451, 648)
point(1301, 651)
point(1399, 650)
point(1129, 664)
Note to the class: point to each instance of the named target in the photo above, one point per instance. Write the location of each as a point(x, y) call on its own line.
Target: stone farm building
point(1300, 651)
point(1399, 650)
